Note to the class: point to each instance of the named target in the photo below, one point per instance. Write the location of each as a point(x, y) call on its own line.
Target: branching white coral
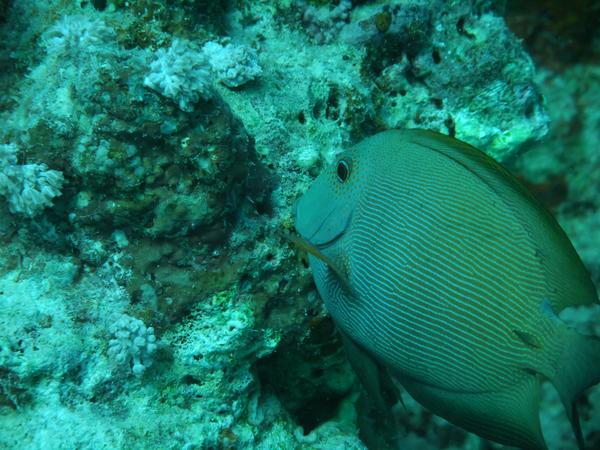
point(234, 65)
point(28, 188)
point(132, 344)
point(180, 73)
point(76, 34)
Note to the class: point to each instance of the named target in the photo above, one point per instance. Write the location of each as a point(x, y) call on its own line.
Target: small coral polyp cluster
point(27, 188)
point(132, 345)
point(150, 155)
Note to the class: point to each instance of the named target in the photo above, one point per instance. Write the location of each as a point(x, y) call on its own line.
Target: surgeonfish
point(444, 275)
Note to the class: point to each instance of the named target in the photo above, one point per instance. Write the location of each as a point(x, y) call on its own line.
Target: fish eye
point(343, 170)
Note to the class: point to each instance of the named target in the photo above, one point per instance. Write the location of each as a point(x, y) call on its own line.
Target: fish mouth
point(328, 243)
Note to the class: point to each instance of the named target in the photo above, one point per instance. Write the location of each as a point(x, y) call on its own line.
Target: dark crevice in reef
point(4, 7)
point(556, 34)
point(309, 375)
point(317, 412)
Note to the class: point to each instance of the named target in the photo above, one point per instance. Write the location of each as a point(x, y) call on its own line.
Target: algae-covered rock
point(454, 69)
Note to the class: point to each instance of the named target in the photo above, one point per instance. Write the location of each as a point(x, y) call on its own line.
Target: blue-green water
point(150, 156)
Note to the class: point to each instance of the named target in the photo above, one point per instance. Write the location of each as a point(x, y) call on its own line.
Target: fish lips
point(322, 233)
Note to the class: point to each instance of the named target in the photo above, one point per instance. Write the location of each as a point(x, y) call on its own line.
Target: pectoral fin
point(336, 268)
point(378, 427)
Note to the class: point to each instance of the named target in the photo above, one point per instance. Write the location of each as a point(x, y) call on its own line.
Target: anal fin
point(509, 416)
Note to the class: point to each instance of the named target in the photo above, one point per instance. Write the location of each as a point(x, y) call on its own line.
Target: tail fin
point(580, 369)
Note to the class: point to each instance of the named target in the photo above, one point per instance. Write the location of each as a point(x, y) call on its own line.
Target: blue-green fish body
point(437, 264)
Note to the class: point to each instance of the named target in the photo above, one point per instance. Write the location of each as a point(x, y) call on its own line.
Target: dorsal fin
point(570, 280)
point(483, 166)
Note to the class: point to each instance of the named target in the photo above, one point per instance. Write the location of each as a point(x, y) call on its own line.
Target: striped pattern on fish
point(441, 266)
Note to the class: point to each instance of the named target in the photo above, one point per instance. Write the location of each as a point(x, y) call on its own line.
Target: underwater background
point(150, 155)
